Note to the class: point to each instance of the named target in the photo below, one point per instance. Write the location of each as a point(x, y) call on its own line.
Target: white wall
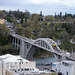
point(16, 65)
point(64, 69)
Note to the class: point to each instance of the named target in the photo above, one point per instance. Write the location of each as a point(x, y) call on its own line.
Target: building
point(8, 62)
point(15, 65)
point(26, 71)
point(2, 21)
point(64, 67)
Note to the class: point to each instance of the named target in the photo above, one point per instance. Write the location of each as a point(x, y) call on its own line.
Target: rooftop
point(12, 58)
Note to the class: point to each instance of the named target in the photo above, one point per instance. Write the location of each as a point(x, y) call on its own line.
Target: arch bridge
point(28, 46)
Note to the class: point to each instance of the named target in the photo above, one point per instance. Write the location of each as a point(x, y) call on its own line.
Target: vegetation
point(5, 46)
point(35, 26)
point(53, 73)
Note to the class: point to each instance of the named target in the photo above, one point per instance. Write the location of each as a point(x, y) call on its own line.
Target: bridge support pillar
point(22, 48)
point(13, 41)
point(17, 43)
point(26, 50)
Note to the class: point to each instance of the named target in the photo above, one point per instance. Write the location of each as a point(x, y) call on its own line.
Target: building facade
point(65, 67)
point(14, 62)
point(2, 21)
point(29, 72)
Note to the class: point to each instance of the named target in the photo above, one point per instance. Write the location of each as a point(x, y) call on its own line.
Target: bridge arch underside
point(32, 50)
point(45, 44)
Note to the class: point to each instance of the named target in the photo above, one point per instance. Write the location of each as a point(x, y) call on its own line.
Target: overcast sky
point(48, 7)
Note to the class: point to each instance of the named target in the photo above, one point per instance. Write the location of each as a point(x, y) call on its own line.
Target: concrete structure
point(14, 62)
point(28, 46)
point(2, 21)
point(65, 67)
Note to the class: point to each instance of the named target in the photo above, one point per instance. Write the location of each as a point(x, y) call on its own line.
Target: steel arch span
point(28, 46)
point(44, 43)
point(47, 43)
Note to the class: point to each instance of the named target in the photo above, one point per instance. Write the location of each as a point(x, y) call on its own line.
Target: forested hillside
point(57, 27)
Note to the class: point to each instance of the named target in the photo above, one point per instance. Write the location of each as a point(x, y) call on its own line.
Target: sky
point(48, 7)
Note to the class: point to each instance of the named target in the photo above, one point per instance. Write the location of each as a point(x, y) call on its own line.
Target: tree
point(19, 29)
point(68, 27)
point(34, 17)
point(53, 73)
point(27, 15)
point(9, 19)
point(73, 37)
point(2, 14)
point(3, 34)
point(49, 18)
point(26, 24)
point(50, 30)
point(28, 32)
point(9, 13)
point(64, 36)
point(73, 29)
point(14, 22)
point(69, 19)
point(21, 20)
point(3, 29)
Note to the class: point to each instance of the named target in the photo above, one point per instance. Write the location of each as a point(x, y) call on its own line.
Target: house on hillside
point(2, 21)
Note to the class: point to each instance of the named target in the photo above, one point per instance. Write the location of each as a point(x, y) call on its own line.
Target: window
point(56, 69)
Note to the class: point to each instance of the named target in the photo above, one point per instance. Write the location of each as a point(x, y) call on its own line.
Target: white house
point(65, 67)
point(14, 62)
